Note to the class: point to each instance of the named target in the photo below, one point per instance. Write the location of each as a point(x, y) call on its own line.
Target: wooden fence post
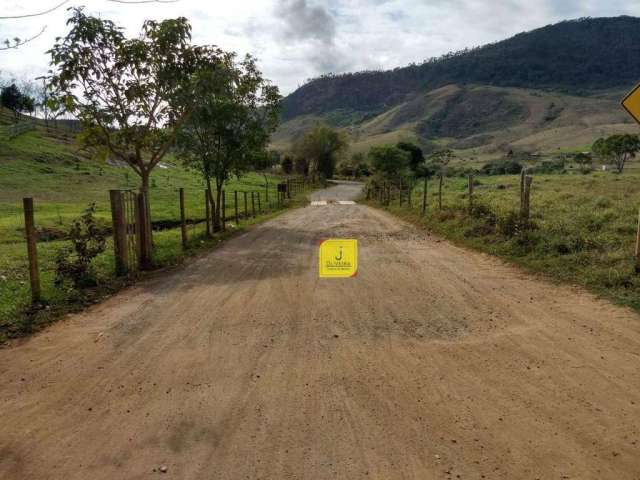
point(223, 211)
point(207, 211)
point(523, 174)
point(526, 200)
point(183, 220)
point(253, 205)
point(119, 232)
point(410, 194)
point(470, 194)
point(440, 193)
point(289, 188)
point(32, 249)
point(259, 205)
point(424, 197)
point(638, 246)
point(400, 193)
point(246, 207)
point(143, 230)
point(235, 204)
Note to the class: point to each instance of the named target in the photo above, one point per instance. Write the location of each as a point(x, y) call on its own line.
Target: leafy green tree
point(229, 129)
point(417, 156)
point(439, 160)
point(617, 149)
point(301, 166)
point(12, 98)
point(287, 165)
point(132, 95)
point(389, 161)
point(321, 146)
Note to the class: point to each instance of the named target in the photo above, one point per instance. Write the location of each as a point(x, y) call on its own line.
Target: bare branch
point(19, 42)
point(36, 14)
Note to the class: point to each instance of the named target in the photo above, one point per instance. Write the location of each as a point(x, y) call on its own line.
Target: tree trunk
point(217, 215)
point(214, 208)
point(144, 189)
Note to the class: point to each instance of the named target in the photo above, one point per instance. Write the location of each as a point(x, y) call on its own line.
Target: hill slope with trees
point(574, 56)
point(577, 60)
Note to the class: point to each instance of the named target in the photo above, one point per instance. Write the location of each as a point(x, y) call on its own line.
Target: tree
point(229, 128)
point(287, 165)
point(321, 147)
point(131, 95)
point(417, 157)
point(438, 161)
point(617, 149)
point(12, 98)
point(389, 161)
point(301, 166)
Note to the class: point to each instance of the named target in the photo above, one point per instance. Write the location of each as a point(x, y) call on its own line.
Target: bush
point(553, 166)
point(513, 225)
point(73, 263)
point(501, 167)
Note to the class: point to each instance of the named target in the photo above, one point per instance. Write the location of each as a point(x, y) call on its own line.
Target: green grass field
point(48, 167)
point(583, 231)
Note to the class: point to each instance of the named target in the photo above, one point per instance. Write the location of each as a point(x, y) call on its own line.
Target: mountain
point(567, 77)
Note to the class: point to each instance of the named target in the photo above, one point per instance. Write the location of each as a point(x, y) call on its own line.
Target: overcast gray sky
point(299, 39)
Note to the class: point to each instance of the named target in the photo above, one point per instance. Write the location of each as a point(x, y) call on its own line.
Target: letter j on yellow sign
point(338, 258)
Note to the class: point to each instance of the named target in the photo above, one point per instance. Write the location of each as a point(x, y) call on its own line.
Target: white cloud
point(298, 39)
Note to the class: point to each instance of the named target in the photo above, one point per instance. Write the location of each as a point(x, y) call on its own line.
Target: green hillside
point(553, 89)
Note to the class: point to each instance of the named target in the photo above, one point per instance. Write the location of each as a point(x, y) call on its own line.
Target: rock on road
point(435, 362)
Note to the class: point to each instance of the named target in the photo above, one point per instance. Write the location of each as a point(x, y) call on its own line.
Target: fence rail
point(12, 131)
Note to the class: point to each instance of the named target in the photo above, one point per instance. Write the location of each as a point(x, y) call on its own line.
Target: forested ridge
point(573, 56)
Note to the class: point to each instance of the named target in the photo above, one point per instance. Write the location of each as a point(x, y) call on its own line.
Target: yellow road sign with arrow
point(631, 103)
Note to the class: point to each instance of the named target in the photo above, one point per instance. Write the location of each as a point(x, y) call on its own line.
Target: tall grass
point(582, 226)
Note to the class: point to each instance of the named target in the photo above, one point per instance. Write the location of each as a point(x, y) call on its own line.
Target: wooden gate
point(126, 233)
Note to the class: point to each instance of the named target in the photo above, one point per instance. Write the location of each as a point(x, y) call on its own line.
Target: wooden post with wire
point(32, 249)
point(526, 199)
point(637, 266)
point(235, 204)
point(424, 197)
point(253, 205)
point(121, 252)
point(183, 221)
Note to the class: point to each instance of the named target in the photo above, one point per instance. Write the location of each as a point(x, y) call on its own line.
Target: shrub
point(512, 225)
point(502, 167)
point(73, 263)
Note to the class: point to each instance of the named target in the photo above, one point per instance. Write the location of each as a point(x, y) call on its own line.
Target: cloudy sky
point(300, 39)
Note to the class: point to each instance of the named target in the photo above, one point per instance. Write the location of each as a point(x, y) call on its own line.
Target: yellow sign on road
point(631, 103)
point(338, 258)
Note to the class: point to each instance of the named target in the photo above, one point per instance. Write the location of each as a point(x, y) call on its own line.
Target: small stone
point(3, 278)
point(164, 469)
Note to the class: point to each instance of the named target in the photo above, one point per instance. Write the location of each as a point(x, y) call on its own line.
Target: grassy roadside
point(583, 226)
point(19, 318)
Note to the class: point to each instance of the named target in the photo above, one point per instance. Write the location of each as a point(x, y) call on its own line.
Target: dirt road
point(435, 362)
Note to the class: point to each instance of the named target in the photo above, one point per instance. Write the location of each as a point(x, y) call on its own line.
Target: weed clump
point(73, 263)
